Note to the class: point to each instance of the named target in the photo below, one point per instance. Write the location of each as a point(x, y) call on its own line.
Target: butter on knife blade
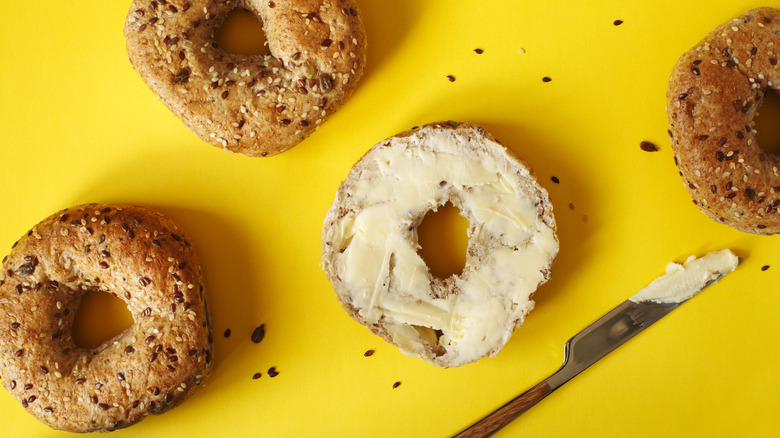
point(681, 282)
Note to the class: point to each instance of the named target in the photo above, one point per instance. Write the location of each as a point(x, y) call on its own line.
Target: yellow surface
point(80, 126)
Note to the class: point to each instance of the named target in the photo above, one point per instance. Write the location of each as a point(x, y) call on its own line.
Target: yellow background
point(78, 125)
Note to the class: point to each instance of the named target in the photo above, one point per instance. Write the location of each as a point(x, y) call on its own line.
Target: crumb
point(521, 51)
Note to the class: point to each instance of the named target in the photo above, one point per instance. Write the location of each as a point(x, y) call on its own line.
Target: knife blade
point(586, 348)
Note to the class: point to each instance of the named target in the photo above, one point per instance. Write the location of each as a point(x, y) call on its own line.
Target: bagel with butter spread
point(370, 242)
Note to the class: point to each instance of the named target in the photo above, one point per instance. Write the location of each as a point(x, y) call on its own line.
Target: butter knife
point(603, 336)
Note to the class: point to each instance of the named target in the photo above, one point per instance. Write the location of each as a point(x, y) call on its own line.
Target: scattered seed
point(227, 333)
point(272, 372)
point(765, 267)
point(451, 78)
point(617, 22)
point(258, 334)
point(648, 147)
point(368, 353)
point(546, 79)
point(555, 180)
point(396, 385)
point(479, 51)
point(256, 376)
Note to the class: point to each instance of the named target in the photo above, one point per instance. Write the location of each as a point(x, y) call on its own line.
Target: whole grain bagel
point(136, 254)
point(714, 93)
point(252, 105)
point(370, 242)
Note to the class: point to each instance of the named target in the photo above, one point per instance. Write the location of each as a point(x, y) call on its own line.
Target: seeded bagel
point(136, 254)
point(370, 242)
point(714, 93)
point(251, 105)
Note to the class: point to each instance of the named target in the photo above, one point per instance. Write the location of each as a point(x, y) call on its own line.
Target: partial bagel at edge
point(252, 105)
point(714, 94)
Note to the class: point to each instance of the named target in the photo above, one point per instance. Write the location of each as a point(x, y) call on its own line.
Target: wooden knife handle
point(504, 415)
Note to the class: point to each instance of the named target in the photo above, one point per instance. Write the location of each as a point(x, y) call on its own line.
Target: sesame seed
point(451, 78)
point(617, 22)
point(479, 51)
point(368, 353)
point(546, 79)
point(256, 376)
point(648, 146)
point(396, 384)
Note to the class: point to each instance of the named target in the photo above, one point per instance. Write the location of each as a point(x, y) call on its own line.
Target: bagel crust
point(370, 242)
point(252, 105)
point(714, 94)
point(136, 254)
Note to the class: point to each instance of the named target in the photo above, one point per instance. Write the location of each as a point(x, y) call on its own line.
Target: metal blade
point(608, 333)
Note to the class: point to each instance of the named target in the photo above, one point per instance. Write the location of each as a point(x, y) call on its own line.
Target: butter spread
point(511, 244)
point(682, 282)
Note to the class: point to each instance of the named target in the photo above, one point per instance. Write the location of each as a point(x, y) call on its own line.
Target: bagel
point(252, 105)
point(370, 242)
point(136, 254)
point(714, 93)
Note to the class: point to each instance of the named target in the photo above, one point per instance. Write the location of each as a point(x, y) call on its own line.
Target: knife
point(591, 344)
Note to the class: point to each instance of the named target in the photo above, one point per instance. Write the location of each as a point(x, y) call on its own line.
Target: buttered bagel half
point(370, 242)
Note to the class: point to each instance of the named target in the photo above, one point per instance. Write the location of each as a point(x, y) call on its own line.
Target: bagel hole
point(443, 239)
point(766, 123)
point(100, 317)
point(242, 32)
